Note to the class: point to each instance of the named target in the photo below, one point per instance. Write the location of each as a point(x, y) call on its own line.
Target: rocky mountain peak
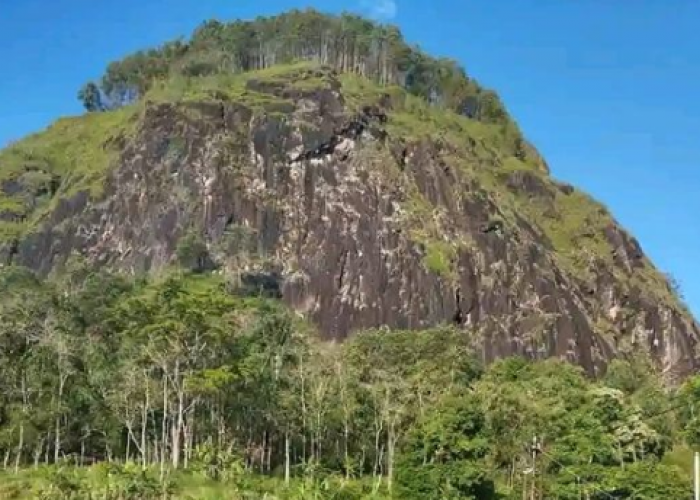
point(335, 186)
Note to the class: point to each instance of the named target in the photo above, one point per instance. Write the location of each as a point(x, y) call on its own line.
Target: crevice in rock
point(459, 317)
point(493, 227)
point(341, 274)
point(222, 115)
point(352, 130)
point(403, 160)
point(12, 251)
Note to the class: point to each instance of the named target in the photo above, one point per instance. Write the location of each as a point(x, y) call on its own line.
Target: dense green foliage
point(184, 384)
point(347, 42)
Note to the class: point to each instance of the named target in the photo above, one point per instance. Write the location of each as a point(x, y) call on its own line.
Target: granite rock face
point(360, 221)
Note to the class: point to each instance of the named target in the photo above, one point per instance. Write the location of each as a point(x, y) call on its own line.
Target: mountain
point(324, 160)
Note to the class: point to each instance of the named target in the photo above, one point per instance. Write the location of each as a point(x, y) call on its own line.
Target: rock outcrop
point(362, 208)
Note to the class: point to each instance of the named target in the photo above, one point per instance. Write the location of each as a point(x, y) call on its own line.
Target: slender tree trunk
point(363, 459)
point(176, 435)
point(37, 453)
point(222, 430)
point(186, 446)
point(303, 409)
point(144, 425)
point(20, 446)
point(177, 423)
point(377, 456)
point(269, 454)
point(164, 429)
point(57, 441)
point(57, 437)
point(188, 431)
point(380, 467)
point(262, 457)
point(286, 458)
point(346, 434)
point(391, 442)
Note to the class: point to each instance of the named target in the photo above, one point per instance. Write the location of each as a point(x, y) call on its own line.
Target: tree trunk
point(391, 442)
point(144, 426)
point(303, 409)
point(20, 445)
point(262, 454)
point(346, 453)
point(188, 431)
point(57, 441)
point(57, 437)
point(37, 454)
point(177, 430)
point(363, 459)
point(286, 458)
point(269, 455)
point(164, 430)
point(377, 458)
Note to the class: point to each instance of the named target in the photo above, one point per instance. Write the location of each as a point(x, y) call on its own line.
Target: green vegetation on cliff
point(73, 155)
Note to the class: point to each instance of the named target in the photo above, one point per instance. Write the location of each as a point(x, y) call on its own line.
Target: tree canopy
point(180, 374)
point(348, 43)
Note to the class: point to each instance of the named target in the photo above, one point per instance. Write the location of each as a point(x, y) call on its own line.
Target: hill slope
point(358, 201)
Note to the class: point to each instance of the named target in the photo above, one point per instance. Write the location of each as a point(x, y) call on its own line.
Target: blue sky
point(605, 89)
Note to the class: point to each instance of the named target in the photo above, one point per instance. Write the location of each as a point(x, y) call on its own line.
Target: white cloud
point(381, 9)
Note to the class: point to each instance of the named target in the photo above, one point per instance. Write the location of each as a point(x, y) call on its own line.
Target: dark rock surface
point(323, 195)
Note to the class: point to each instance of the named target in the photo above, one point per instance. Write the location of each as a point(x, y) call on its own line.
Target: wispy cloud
point(381, 9)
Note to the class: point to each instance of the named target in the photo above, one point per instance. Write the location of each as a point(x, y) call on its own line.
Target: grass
point(12, 205)
point(239, 87)
point(219, 87)
point(576, 231)
point(76, 150)
point(415, 119)
point(359, 92)
point(425, 228)
point(127, 481)
point(681, 457)
point(10, 230)
point(439, 257)
point(412, 118)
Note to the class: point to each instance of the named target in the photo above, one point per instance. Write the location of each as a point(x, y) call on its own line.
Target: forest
point(187, 384)
point(347, 43)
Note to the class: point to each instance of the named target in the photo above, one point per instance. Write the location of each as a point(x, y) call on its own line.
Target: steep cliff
point(361, 204)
